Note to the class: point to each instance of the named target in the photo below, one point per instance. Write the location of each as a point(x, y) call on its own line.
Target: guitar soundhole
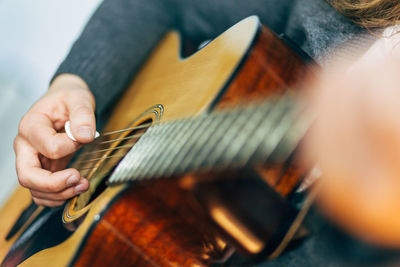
point(98, 160)
point(129, 141)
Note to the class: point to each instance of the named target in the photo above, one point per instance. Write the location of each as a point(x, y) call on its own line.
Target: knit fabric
point(122, 33)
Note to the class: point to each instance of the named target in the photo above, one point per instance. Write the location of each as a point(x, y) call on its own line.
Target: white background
point(34, 38)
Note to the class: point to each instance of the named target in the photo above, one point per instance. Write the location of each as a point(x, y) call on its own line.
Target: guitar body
point(164, 222)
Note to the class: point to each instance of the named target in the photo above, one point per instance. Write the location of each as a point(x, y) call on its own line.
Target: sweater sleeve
point(122, 33)
point(115, 42)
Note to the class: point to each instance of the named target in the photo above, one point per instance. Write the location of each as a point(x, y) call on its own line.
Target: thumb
point(81, 114)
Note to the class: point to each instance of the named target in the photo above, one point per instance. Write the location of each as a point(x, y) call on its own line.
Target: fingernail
point(85, 131)
point(73, 179)
point(80, 188)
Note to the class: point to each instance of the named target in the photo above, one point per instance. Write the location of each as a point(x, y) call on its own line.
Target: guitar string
point(115, 149)
point(106, 158)
point(280, 108)
point(103, 135)
point(106, 149)
point(121, 139)
point(147, 125)
point(118, 148)
point(95, 159)
point(89, 168)
point(136, 136)
point(99, 158)
point(96, 142)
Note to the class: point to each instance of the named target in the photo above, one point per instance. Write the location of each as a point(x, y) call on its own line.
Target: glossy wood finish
point(63, 254)
point(183, 86)
point(8, 215)
point(154, 224)
point(271, 68)
point(161, 223)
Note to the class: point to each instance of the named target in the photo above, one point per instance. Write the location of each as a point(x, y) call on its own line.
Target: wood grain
point(162, 223)
point(9, 214)
point(184, 87)
point(271, 68)
point(156, 224)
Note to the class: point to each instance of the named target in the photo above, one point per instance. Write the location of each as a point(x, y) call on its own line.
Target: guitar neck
point(248, 135)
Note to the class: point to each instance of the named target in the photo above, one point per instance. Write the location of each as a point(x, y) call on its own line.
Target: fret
point(202, 158)
point(215, 121)
point(173, 150)
point(136, 156)
point(293, 129)
point(159, 142)
point(133, 158)
point(292, 137)
point(214, 136)
point(267, 134)
point(230, 138)
point(245, 134)
point(170, 148)
point(236, 154)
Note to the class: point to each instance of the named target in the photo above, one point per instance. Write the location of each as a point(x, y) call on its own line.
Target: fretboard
point(248, 135)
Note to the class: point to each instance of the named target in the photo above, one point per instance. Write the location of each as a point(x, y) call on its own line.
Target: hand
point(356, 142)
point(43, 151)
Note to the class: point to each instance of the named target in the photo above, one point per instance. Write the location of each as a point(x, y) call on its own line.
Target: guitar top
point(182, 176)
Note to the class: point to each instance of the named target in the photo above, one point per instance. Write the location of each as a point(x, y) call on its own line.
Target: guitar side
point(163, 223)
point(165, 79)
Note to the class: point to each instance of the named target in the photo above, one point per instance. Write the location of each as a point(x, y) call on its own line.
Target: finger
point(32, 176)
point(59, 164)
point(47, 203)
point(63, 195)
point(54, 165)
point(45, 162)
point(38, 129)
point(81, 113)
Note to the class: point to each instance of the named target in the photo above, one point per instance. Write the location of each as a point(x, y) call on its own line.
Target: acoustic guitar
point(197, 162)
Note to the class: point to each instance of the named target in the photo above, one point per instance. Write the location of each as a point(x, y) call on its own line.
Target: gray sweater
point(122, 33)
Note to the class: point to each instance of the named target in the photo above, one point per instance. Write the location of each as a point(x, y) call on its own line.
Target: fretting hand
point(356, 142)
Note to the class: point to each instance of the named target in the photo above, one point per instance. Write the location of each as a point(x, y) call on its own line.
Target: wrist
point(70, 87)
point(67, 80)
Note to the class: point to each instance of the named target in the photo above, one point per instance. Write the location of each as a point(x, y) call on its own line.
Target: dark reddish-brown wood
point(154, 224)
point(161, 223)
point(271, 68)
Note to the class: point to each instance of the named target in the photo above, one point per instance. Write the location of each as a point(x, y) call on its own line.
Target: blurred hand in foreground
point(356, 144)
point(43, 150)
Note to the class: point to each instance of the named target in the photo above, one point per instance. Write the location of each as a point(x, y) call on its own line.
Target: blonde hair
point(369, 13)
